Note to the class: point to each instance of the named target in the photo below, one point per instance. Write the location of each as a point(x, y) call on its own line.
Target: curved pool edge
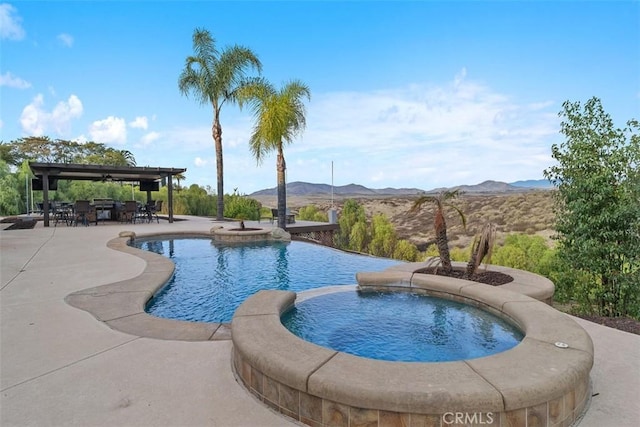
point(121, 305)
point(535, 381)
point(524, 282)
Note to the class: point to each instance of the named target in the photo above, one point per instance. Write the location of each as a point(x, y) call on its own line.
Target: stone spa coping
point(542, 381)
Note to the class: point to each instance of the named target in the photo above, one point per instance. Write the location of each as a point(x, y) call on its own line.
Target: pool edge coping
point(121, 305)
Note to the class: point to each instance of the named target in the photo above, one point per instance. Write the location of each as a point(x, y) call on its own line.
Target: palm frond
point(420, 201)
point(460, 213)
point(482, 248)
point(279, 115)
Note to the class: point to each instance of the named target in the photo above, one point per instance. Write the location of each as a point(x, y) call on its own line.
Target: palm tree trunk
point(217, 138)
point(442, 242)
point(477, 253)
point(282, 190)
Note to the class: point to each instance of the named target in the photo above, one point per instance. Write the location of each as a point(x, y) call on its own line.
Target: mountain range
point(298, 188)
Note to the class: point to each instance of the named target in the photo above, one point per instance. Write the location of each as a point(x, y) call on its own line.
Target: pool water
point(400, 326)
point(211, 279)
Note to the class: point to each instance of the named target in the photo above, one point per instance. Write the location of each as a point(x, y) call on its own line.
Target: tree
point(179, 177)
point(351, 215)
point(112, 157)
point(383, 236)
point(9, 195)
point(311, 213)
point(597, 214)
point(441, 201)
point(44, 149)
point(213, 77)
point(280, 117)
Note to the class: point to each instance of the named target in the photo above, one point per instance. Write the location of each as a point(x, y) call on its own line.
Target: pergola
point(51, 172)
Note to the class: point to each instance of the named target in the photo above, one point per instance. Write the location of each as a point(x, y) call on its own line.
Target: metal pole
point(331, 183)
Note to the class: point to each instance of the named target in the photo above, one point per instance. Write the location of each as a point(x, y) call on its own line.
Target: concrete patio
point(59, 366)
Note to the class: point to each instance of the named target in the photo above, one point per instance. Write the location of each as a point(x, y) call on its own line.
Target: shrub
point(241, 207)
point(311, 213)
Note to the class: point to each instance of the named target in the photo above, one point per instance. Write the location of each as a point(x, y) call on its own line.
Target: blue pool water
point(211, 280)
point(400, 326)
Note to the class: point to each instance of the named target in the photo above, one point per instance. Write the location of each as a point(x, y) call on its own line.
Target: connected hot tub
point(544, 380)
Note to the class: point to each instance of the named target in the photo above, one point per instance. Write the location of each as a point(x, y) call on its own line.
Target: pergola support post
point(170, 197)
point(45, 197)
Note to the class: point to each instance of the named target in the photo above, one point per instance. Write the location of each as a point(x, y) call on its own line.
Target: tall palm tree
point(441, 201)
point(280, 117)
point(213, 77)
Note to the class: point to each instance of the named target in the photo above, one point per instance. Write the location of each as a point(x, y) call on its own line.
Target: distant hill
point(533, 183)
point(307, 189)
point(483, 187)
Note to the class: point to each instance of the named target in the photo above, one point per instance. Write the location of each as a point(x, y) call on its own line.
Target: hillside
point(529, 211)
point(309, 189)
point(305, 189)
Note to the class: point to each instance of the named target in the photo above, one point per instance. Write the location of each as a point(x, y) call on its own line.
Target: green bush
point(241, 207)
point(311, 213)
point(406, 251)
point(10, 201)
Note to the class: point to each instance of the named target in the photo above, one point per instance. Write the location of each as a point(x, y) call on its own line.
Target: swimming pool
point(211, 280)
point(400, 326)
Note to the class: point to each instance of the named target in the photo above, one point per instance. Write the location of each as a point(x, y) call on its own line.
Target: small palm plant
point(441, 200)
point(482, 248)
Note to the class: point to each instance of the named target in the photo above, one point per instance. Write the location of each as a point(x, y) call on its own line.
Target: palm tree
point(280, 117)
point(482, 247)
point(179, 177)
point(440, 225)
point(213, 77)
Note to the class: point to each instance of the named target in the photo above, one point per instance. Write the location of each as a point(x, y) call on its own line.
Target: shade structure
point(49, 172)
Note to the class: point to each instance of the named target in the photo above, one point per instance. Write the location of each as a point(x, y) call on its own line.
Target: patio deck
point(60, 366)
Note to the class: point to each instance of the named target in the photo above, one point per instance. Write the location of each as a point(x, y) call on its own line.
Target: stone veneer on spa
point(535, 383)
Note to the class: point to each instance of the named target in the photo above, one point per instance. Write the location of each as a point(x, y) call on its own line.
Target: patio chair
point(153, 209)
point(61, 213)
point(130, 211)
point(290, 217)
point(81, 211)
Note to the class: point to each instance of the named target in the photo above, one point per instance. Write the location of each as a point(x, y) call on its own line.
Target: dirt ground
point(527, 212)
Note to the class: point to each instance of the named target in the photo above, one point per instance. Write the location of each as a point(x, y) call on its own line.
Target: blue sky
point(418, 94)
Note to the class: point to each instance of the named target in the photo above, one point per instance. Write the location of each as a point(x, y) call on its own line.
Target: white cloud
point(10, 23)
point(36, 121)
point(425, 136)
point(33, 118)
point(199, 162)
point(8, 79)
point(64, 112)
point(149, 138)
point(81, 139)
point(65, 39)
point(110, 130)
point(140, 123)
